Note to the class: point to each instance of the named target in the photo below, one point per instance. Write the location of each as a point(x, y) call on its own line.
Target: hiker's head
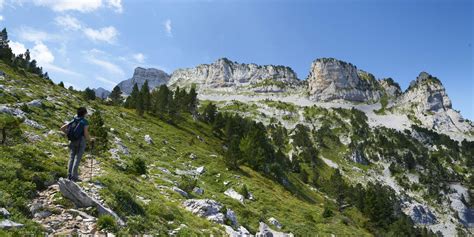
point(81, 112)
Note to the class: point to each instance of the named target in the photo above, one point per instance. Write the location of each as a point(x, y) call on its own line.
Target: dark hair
point(81, 112)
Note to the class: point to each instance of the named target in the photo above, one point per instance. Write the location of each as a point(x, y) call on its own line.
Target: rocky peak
point(427, 93)
point(226, 73)
point(332, 79)
point(101, 92)
point(392, 89)
point(155, 78)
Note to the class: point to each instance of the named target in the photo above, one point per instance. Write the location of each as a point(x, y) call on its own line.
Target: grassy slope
point(299, 211)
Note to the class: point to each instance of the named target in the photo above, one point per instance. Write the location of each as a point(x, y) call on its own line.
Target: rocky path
point(59, 216)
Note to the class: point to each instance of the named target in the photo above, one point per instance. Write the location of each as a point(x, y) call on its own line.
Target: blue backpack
point(75, 129)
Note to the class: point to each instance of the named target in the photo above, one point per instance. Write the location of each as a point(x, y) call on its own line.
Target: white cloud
point(17, 48)
point(2, 3)
point(36, 36)
point(68, 22)
point(168, 27)
point(42, 54)
point(106, 65)
point(78, 5)
point(106, 34)
point(115, 4)
point(139, 57)
point(1, 18)
point(70, 5)
point(105, 80)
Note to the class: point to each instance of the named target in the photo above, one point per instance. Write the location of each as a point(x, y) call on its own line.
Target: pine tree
point(145, 94)
point(89, 94)
point(61, 84)
point(98, 131)
point(233, 156)
point(161, 100)
point(131, 101)
point(192, 102)
point(140, 105)
point(210, 113)
point(116, 96)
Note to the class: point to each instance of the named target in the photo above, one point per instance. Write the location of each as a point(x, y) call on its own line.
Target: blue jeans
point(77, 149)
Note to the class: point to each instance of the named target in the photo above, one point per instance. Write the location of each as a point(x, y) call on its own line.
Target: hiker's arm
point(64, 128)
point(86, 133)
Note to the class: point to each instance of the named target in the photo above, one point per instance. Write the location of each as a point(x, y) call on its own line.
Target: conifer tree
point(98, 130)
point(131, 101)
point(145, 94)
point(140, 104)
point(161, 100)
point(61, 84)
point(210, 113)
point(192, 101)
point(116, 95)
point(233, 156)
point(89, 94)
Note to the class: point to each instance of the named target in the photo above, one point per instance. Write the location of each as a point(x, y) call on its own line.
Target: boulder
point(148, 139)
point(200, 170)
point(192, 156)
point(275, 222)
point(230, 215)
point(76, 194)
point(35, 103)
point(4, 212)
point(234, 194)
point(8, 224)
point(180, 191)
point(207, 208)
point(198, 191)
point(265, 231)
point(240, 232)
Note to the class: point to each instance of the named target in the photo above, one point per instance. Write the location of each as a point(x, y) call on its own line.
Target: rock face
point(155, 78)
point(427, 100)
point(427, 93)
point(101, 93)
point(391, 88)
point(332, 79)
point(224, 73)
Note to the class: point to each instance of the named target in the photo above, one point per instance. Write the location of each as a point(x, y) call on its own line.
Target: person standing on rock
point(77, 132)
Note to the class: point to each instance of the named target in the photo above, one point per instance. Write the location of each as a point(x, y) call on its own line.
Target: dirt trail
point(58, 215)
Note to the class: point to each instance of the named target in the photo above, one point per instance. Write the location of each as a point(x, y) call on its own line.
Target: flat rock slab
point(76, 194)
point(8, 224)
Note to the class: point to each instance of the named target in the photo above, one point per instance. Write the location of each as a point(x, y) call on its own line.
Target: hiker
point(77, 132)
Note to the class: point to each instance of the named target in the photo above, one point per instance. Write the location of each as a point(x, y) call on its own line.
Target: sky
point(98, 43)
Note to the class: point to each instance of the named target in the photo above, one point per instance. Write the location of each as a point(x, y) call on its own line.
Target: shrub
point(138, 166)
point(244, 191)
point(187, 184)
point(327, 212)
point(126, 204)
point(107, 223)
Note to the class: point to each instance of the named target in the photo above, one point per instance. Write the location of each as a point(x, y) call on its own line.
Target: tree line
point(23, 61)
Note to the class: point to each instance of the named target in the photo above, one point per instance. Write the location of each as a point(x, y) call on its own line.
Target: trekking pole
point(92, 160)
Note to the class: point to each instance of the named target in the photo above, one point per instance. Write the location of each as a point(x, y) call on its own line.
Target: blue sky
point(99, 42)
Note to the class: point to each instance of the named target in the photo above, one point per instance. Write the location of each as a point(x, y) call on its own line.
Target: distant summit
point(155, 78)
point(101, 93)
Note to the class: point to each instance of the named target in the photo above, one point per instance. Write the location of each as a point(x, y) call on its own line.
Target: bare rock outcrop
point(332, 79)
point(227, 74)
